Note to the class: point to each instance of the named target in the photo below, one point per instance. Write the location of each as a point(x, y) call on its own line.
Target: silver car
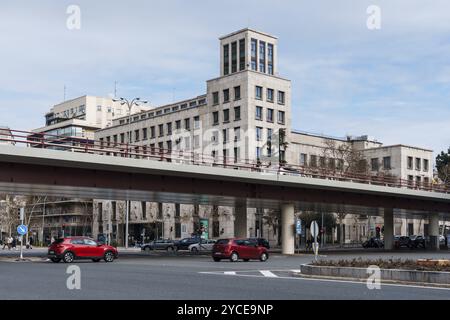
point(204, 245)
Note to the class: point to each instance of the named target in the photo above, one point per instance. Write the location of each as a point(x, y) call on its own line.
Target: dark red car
point(72, 248)
point(235, 249)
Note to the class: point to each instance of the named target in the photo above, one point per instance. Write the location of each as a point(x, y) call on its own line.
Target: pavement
point(160, 276)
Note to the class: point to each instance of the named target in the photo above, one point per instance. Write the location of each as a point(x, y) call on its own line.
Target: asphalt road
point(138, 276)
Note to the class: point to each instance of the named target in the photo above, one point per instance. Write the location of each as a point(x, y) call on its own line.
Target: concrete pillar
point(287, 229)
point(240, 222)
point(434, 231)
point(388, 228)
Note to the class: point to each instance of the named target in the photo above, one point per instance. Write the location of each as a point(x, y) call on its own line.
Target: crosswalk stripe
point(267, 273)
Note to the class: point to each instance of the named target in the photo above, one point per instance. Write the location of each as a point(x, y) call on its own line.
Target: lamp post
point(130, 104)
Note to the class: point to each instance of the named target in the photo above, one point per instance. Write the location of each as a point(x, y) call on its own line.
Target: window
point(187, 142)
point(226, 59)
point(234, 57)
point(187, 124)
point(281, 97)
point(258, 153)
point(196, 141)
point(374, 164)
point(225, 135)
point(136, 135)
point(178, 124)
point(425, 165)
point(259, 133)
point(237, 134)
point(387, 163)
point(269, 134)
point(236, 154)
point(303, 159)
point(215, 118)
point(226, 95)
point(144, 210)
point(99, 108)
point(241, 54)
point(160, 210)
point(322, 162)
point(313, 161)
point(152, 132)
point(215, 137)
point(418, 181)
point(270, 95)
point(254, 44)
point(270, 58)
point(197, 122)
point(215, 98)
point(169, 145)
point(259, 111)
point(270, 115)
point(410, 163)
point(122, 138)
point(237, 93)
point(161, 130)
point(426, 180)
point(259, 92)
point(281, 117)
point(226, 115)
point(144, 134)
point(262, 56)
point(237, 113)
point(169, 128)
point(418, 163)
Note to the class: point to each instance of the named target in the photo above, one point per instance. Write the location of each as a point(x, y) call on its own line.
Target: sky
point(392, 83)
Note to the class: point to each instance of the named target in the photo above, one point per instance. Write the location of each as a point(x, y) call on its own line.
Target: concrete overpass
point(31, 171)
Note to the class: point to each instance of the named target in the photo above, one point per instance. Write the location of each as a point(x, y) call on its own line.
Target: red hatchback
point(235, 249)
point(72, 248)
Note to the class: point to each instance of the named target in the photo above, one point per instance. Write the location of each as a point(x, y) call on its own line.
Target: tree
point(443, 166)
point(347, 157)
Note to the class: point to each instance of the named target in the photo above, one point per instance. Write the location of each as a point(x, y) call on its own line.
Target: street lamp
point(130, 104)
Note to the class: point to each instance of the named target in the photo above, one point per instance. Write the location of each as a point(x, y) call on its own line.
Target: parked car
point(373, 243)
point(160, 244)
point(235, 249)
point(74, 248)
point(401, 241)
point(417, 241)
point(184, 244)
point(262, 242)
point(203, 245)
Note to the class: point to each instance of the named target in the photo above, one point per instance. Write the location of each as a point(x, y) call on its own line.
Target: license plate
point(51, 252)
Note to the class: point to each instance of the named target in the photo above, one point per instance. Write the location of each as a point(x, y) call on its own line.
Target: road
point(138, 276)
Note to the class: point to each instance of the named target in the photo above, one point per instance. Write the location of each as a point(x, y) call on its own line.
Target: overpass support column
point(287, 229)
point(388, 228)
point(240, 222)
point(434, 231)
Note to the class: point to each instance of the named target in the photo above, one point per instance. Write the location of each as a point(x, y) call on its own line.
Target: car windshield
point(223, 241)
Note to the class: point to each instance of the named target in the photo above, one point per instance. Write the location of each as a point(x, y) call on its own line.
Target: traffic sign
point(314, 229)
point(22, 229)
point(298, 226)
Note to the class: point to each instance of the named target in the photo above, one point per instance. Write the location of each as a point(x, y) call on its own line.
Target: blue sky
point(392, 84)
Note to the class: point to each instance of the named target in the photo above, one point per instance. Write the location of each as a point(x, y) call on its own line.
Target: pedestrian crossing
point(283, 273)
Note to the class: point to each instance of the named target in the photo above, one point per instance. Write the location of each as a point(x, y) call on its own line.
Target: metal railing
point(117, 149)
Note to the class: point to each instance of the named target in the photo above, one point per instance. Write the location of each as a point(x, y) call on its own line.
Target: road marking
point(268, 274)
point(242, 274)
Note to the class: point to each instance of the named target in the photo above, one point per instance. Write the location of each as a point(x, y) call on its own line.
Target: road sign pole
point(22, 213)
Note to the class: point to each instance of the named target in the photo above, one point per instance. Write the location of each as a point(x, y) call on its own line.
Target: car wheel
point(216, 259)
point(264, 256)
point(109, 256)
point(68, 257)
point(194, 250)
point(234, 257)
point(147, 249)
point(55, 260)
point(96, 260)
point(170, 249)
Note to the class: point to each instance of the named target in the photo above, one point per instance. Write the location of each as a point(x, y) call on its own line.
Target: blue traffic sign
point(298, 226)
point(22, 229)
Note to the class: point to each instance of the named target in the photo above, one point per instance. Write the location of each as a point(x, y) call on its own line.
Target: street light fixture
point(135, 102)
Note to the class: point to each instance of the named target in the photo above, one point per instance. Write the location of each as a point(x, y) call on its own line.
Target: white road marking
point(268, 274)
point(231, 273)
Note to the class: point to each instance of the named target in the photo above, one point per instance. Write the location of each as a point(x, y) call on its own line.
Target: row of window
point(258, 57)
point(226, 115)
point(418, 180)
point(375, 164)
point(417, 164)
point(226, 95)
point(234, 57)
point(315, 161)
point(270, 95)
point(259, 111)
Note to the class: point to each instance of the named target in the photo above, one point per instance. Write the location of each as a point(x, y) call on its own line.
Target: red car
point(72, 248)
point(235, 249)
